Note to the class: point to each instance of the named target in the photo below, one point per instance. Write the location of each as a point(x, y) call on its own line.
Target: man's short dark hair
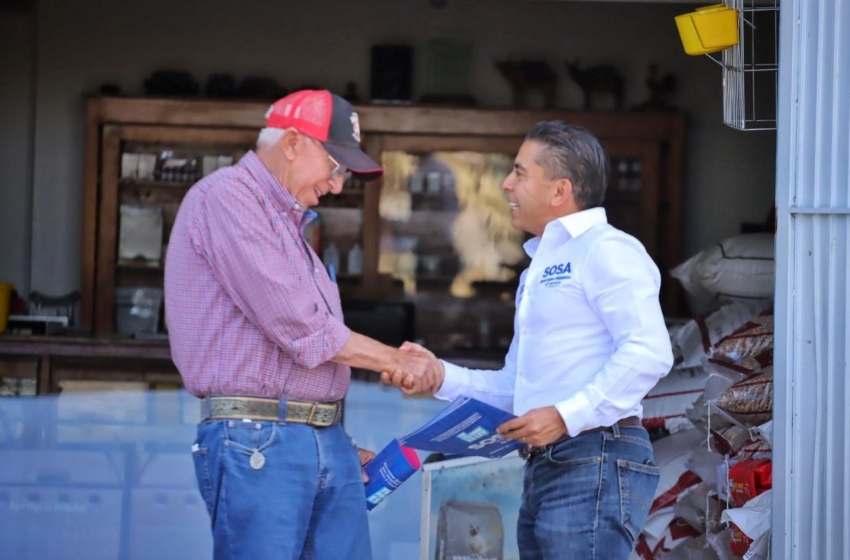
point(573, 153)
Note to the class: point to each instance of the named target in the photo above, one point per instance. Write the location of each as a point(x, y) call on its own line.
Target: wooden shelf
point(132, 183)
point(114, 123)
point(130, 265)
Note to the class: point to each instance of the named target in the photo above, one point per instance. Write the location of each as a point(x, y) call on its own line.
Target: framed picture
point(470, 508)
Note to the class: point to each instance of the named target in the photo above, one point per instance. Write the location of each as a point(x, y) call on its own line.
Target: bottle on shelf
point(484, 335)
point(355, 259)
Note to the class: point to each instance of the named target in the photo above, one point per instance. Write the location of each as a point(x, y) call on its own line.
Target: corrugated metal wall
point(811, 511)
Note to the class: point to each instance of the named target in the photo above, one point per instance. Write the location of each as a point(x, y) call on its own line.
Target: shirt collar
point(575, 224)
point(281, 198)
point(580, 222)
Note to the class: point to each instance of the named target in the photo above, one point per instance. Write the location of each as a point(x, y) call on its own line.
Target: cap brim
point(355, 160)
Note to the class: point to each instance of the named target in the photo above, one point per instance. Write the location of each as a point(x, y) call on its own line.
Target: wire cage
point(750, 68)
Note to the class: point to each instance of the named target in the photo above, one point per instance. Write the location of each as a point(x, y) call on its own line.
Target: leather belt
point(318, 414)
point(530, 451)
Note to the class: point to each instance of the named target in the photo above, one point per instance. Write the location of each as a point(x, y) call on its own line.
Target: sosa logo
point(556, 269)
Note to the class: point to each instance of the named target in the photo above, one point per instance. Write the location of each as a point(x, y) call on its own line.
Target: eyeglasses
point(339, 169)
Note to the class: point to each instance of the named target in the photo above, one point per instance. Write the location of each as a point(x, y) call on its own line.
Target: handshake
point(417, 370)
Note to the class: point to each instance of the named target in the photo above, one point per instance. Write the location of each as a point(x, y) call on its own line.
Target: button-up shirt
point(250, 308)
point(589, 335)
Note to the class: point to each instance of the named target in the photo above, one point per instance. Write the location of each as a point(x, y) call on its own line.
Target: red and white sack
point(667, 403)
point(720, 378)
point(750, 348)
point(697, 337)
point(676, 481)
point(757, 449)
point(699, 507)
point(704, 464)
point(671, 454)
point(739, 541)
point(655, 526)
point(761, 446)
point(710, 546)
point(752, 520)
point(676, 533)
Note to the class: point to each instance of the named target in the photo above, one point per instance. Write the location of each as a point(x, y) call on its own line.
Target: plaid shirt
point(250, 308)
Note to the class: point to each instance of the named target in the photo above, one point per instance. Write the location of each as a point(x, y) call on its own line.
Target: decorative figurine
point(600, 79)
point(526, 75)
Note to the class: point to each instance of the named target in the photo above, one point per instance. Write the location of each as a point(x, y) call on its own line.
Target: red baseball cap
point(331, 120)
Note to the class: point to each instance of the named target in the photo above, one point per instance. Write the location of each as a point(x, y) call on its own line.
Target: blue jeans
point(587, 498)
point(306, 501)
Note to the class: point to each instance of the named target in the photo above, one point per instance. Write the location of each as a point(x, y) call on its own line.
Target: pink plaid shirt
point(250, 308)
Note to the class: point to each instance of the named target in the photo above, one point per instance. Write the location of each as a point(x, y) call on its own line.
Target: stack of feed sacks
point(711, 416)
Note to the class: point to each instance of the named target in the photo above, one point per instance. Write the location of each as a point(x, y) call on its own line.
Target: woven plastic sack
point(678, 532)
point(697, 337)
point(749, 348)
point(671, 453)
point(730, 439)
point(710, 546)
point(738, 268)
point(752, 519)
point(750, 400)
point(666, 404)
point(740, 542)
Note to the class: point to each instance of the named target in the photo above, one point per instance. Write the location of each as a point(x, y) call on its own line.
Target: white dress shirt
point(589, 335)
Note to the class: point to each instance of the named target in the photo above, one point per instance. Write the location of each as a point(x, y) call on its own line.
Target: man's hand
point(537, 427)
point(412, 383)
point(365, 456)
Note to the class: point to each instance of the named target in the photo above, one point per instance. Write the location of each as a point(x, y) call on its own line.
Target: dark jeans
point(587, 498)
point(305, 502)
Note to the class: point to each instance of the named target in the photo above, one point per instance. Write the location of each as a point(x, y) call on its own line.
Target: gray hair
point(269, 137)
point(573, 153)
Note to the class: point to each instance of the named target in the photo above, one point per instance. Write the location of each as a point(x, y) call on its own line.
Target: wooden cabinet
point(417, 229)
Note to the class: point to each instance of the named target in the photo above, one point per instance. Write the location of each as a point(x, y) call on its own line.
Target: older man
point(257, 332)
point(589, 343)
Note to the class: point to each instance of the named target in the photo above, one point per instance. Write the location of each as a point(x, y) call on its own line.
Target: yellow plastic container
point(5, 299)
point(709, 29)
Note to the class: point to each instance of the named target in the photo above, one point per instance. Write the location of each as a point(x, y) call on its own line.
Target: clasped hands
point(417, 370)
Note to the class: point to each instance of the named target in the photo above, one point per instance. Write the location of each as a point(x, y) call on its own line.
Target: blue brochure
point(466, 427)
point(392, 466)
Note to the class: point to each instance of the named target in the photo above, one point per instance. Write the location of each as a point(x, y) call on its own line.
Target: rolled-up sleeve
point(263, 269)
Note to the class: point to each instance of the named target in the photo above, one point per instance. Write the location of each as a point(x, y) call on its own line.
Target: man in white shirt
point(589, 343)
